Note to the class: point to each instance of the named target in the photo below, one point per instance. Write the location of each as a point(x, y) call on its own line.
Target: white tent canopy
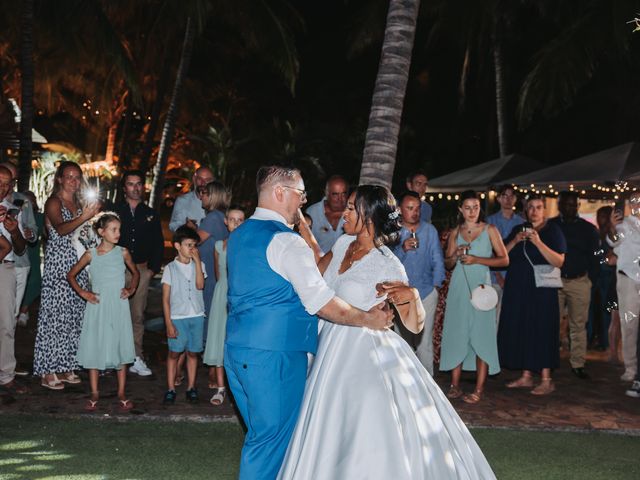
point(485, 175)
point(617, 164)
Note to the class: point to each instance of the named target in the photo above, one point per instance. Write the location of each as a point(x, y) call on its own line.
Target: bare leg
point(213, 377)
point(455, 376)
point(546, 383)
point(180, 365)
point(172, 360)
point(614, 336)
point(220, 376)
point(122, 382)
point(482, 369)
point(93, 383)
point(192, 368)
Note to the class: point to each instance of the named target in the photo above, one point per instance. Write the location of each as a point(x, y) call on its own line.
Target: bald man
point(327, 213)
point(188, 207)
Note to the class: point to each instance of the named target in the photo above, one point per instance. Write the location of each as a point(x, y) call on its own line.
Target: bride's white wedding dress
point(370, 409)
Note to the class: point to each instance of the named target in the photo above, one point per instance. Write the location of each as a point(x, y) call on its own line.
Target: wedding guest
point(579, 269)
point(188, 207)
point(421, 255)
point(603, 290)
point(624, 237)
point(215, 200)
point(10, 221)
point(34, 281)
point(469, 334)
point(418, 182)
point(61, 309)
point(28, 225)
point(504, 220)
point(141, 235)
point(326, 214)
point(529, 328)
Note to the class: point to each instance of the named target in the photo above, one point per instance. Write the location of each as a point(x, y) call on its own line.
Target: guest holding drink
point(469, 334)
point(529, 332)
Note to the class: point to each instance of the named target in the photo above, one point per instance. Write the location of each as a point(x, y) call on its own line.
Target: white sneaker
point(627, 376)
point(140, 368)
point(634, 391)
point(23, 318)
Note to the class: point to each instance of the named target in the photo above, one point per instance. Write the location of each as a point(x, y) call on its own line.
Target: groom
point(275, 292)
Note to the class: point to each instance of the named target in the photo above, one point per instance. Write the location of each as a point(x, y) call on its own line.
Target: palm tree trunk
point(170, 120)
point(111, 142)
point(124, 160)
point(28, 76)
point(501, 100)
point(381, 142)
point(156, 110)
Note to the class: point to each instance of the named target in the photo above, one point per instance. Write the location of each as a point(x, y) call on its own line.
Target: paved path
point(596, 404)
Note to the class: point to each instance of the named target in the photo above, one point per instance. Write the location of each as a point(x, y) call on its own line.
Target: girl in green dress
point(469, 335)
point(214, 352)
point(106, 339)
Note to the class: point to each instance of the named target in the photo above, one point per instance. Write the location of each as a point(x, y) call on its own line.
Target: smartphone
point(619, 206)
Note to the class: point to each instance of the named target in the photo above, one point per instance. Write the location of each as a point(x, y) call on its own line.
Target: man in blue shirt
point(417, 182)
point(420, 252)
point(327, 213)
point(504, 220)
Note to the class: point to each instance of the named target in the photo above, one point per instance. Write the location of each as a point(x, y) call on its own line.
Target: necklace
point(352, 254)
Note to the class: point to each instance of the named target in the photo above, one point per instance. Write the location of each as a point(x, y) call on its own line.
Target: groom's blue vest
point(264, 310)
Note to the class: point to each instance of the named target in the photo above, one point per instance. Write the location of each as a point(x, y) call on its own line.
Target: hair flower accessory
point(393, 215)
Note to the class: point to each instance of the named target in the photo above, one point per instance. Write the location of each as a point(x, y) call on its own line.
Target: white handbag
point(484, 297)
point(546, 276)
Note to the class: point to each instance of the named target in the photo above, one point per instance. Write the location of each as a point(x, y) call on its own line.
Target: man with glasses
point(275, 293)
point(505, 220)
point(188, 208)
point(10, 228)
point(327, 213)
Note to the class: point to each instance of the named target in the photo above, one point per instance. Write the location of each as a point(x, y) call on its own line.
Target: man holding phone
point(10, 229)
point(20, 206)
point(624, 237)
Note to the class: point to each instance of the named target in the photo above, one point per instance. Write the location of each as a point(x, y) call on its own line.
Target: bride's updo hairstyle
point(376, 204)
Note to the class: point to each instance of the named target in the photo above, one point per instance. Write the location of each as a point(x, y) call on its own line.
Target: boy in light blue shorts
point(183, 308)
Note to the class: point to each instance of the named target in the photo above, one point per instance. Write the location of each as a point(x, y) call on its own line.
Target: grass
point(90, 449)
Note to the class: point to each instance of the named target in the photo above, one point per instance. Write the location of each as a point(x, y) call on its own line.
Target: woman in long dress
point(370, 409)
point(61, 309)
point(468, 334)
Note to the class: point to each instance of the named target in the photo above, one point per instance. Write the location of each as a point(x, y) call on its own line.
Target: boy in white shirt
point(183, 307)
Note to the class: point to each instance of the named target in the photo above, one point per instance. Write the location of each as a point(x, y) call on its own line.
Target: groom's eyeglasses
point(303, 193)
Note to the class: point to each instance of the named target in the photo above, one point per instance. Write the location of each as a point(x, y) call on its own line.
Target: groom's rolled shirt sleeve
point(291, 258)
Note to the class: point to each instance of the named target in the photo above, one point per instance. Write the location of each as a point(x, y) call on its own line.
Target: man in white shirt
point(327, 213)
point(188, 207)
point(10, 218)
point(275, 292)
point(625, 240)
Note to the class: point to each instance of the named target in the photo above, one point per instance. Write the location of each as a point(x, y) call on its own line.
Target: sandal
point(472, 398)
point(522, 382)
point(125, 405)
point(454, 392)
point(91, 405)
point(70, 378)
point(52, 384)
point(545, 387)
point(218, 396)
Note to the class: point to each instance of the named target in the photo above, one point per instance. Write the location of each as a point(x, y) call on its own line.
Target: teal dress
point(106, 340)
point(217, 329)
point(468, 332)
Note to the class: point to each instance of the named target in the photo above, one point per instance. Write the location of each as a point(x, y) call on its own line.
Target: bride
point(370, 409)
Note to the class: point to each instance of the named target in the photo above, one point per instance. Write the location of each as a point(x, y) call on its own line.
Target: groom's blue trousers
point(267, 387)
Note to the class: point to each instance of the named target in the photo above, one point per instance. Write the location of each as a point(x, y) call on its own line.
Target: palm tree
point(170, 120)
point(381, 140)
point(28, 75)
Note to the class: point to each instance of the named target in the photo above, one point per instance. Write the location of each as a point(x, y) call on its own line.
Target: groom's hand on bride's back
point(380, 317)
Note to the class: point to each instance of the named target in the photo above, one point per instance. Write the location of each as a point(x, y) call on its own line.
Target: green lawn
point(44, 448)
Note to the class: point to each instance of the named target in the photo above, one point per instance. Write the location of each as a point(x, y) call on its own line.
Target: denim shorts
point(189, 337)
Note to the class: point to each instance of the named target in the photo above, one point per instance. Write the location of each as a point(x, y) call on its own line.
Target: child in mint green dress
point(214, 352)
point(106, 339)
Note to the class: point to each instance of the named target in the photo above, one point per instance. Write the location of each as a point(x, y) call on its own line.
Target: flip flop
point(125, 405)
point(91, 405)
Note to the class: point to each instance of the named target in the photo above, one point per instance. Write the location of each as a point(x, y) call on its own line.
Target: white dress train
point(370, 409)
